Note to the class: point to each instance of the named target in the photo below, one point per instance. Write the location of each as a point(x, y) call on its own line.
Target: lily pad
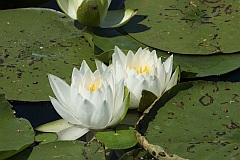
point(104, 40)
point(136, 154)
point(34, 43)
point(118, 139)
point(16, 134)
point(68, 150)
point(187, 27)
point(46, 138)
point(200, 122)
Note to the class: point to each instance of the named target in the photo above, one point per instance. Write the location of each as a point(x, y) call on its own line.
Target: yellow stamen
point(93, 87)
point(143, 69)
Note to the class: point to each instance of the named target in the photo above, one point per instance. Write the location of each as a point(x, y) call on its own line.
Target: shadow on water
point(134, 26)
point(37, 113)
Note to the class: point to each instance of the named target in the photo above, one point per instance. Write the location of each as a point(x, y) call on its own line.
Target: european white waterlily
point(93, 101)
point(144, 71)
point(95, 13)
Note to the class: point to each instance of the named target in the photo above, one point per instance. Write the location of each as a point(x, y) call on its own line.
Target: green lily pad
point(103, 42)
point(200, 122)
point(54, 126)
point(187, 27)
point(46, 138)
point(16, 134)
point(34, 43)
point(136, 154)
point(118, 139)
point(68, 150)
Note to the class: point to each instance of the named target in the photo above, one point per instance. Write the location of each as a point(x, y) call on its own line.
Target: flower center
point(93, 87)
point(143, 69)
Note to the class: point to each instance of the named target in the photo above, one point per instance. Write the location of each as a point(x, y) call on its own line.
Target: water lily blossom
point(93, 101)
point(95, 13)
point(144, 71)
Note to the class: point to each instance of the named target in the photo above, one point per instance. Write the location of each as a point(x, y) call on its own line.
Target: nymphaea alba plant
point(93, 101)
point(144, 71)
point(94, 13)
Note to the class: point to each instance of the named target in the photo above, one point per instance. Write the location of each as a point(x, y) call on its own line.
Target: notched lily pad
point(46, 138)
point(118, 139)
point(201, 122)
point(188, 27)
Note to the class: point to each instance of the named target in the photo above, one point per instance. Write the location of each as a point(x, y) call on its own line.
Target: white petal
point(78, 2)
point(76, 77)
point(168, 64)
point(162, 77)
point(120, 105)
point(119, 95)
point(134, 101)
point(84, 68)
point(154, 85)
point(119, 56)
point(68, 7)
point(129, 59)
point(96, 97)
point(75, 98)
point(131, 82)
point(173, 80)
point(110, 97)
point(143, 85)
point(101, 67)
point(101, 116)
point(85, 112)
point(120, 72)
point(72, 133)
point(64, 112)
point(61, 89)
point(109, 2)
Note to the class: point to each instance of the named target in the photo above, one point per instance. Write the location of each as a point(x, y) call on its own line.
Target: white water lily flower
point(93, 101)
point(95, 13)
point(144, 71)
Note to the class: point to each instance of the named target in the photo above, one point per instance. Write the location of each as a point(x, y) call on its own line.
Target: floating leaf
point(104, 40)
point(54, 126)
point(34, 43)
point(118, 139)
point(68, 150)
point(15, 134)
point(46, 138)
point(187, 27)
point(136, 154)
point(201, 121)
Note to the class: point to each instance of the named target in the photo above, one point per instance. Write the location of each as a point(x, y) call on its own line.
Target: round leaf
point(119, 139)
point(200, 121)
point(46, 138)
point(68, 150)
point(187, 27)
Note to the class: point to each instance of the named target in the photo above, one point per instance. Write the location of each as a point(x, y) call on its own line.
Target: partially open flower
point(144, 71)
point(92, 101)
point(95, 13)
